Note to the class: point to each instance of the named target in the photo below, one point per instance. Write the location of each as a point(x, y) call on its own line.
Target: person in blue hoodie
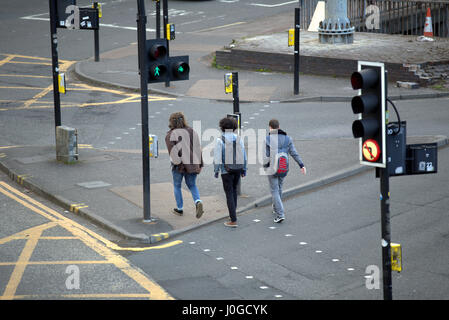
point(230, 159)
point(278, 141)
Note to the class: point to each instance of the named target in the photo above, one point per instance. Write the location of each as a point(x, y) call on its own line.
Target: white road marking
point(104, 25)
point(273, 5)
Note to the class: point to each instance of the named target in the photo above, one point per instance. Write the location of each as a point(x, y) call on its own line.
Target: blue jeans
point(190, 179)
point(276, 184)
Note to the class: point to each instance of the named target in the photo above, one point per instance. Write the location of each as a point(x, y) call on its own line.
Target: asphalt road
point(258, 262)
point(25, 25)
point(45, 254)
point(323, 248)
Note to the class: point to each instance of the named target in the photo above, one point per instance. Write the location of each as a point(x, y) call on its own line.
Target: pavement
point(93, 187)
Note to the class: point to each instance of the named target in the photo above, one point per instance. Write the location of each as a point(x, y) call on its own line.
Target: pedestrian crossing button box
point(154, 146)
point(396, 257)
point(89, 18)
point(422, 158)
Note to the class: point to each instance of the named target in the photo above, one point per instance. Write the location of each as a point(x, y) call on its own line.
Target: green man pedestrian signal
point(371, 107)
point(179, 68)
point(157, 59)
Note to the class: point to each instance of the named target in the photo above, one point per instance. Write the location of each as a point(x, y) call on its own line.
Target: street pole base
point(150, 221)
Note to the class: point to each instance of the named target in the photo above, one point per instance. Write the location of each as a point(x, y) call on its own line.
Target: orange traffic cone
point(428, 31)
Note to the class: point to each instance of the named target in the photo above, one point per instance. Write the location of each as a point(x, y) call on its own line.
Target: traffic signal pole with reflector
point(370, 128)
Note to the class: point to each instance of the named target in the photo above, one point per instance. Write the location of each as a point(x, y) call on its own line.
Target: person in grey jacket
point(230, 179)
point(278, 141)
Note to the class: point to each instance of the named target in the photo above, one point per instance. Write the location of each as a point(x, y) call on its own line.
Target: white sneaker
point(279, 219)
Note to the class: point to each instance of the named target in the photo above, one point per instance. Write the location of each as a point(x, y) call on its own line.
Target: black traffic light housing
point(179, 68)
point(161, 67)
point(370, 104)
point(157, 60)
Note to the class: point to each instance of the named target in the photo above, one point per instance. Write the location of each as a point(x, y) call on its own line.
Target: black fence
point(393, 16)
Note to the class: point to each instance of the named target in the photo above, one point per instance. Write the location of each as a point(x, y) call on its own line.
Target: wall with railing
point(394, 16)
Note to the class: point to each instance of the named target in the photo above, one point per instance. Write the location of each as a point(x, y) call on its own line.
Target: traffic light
point(371, 107)
point(157, 58)
point(179, 68)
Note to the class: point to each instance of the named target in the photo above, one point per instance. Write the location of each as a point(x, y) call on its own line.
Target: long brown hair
point(177, 120)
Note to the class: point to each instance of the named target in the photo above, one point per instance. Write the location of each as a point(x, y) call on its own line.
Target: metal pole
point(296, 71)
point(386, 233)
point(96, 36)
point(158, 19)
point(165, 12)
point(141, 36)
point(54, 62)
point(236, 110)
point(385, 221)
point(235, 91)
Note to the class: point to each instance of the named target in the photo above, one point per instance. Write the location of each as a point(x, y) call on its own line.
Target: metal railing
point(395, 16)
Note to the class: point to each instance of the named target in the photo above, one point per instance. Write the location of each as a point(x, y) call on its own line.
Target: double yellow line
point(93, 240)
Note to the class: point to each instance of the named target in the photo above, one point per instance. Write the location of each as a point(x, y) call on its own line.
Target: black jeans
point(230, 182)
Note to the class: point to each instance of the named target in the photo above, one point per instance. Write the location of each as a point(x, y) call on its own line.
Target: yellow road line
point(24, 76)
point(21, 88)
point(91, 239)
point(6, 60)
point(221, 27)
point(55, 216)
point(29, 62)
point(38, 96)
point(88, 296)
point(70, 262)
point(24, 257)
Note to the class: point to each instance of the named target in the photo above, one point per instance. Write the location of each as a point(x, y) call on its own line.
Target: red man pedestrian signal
point(371, 107)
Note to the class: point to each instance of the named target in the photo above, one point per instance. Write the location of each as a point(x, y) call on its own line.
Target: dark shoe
point(199, 209)
point(279, 219)
point(177, 212)
point(231, 224)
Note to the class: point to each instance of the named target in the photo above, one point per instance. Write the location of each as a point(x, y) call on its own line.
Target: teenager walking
point(279, 145)
point(184, 148)
point(230, 159)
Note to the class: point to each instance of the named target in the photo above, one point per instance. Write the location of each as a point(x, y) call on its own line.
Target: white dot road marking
point(206, 250)
point(303, 243)
point(272, 228)
point(335, 260)
point(192, 242)
point(263, 287)
point(318, 251)
point(219, 258)
point(289, 235)
point(350, 269)
point(234, 268)
point(278, 296)
point(249, 277)
point(256, 220)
